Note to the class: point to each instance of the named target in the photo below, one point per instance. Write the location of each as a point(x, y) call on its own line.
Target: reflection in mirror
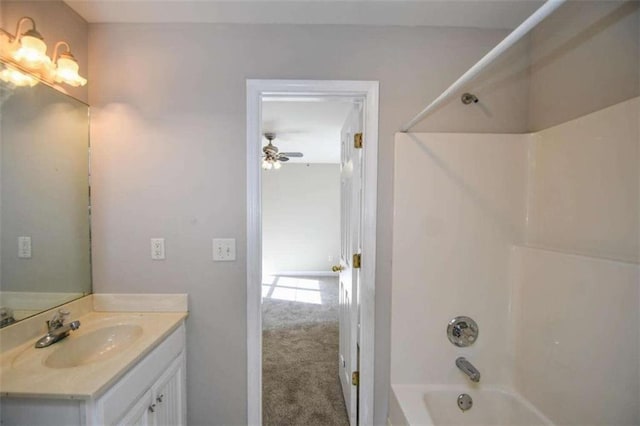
point(45, 257)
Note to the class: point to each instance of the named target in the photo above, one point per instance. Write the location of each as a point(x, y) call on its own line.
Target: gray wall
point(585, 57)
point(301, 217)
point(168, 137)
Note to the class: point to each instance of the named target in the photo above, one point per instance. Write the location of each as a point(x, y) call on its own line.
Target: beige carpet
point(300, 384)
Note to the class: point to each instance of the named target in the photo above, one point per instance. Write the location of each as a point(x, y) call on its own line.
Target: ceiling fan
point(272, 158)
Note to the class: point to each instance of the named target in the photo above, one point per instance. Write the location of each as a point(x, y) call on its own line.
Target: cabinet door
point(140, 413)
point(169, 395)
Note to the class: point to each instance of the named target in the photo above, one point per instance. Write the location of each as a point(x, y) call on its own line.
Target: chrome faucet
point(468, 369)
point(57, 329)
point(6, 317)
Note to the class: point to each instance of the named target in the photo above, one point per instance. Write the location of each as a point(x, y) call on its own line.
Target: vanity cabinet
point(150, 393)
point(169, 396)
point(163, 404)
point(140, 413)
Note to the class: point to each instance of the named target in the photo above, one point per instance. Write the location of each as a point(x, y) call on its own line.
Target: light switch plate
point(224, 249)
point(157, 249)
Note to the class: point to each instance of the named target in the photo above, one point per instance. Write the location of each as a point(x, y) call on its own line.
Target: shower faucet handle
point(462, 331)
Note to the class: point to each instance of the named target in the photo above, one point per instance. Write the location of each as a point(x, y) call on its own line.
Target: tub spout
point(468, 369)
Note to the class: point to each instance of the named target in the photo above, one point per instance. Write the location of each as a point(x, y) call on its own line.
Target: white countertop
point(23, 372)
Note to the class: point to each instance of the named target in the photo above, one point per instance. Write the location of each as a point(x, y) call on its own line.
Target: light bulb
point(33, 49)
point(17, 78)
point(266, 165)
point(67, 71)
point(277, 165)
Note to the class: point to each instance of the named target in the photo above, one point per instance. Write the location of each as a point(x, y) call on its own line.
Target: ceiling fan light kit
point(272, 158)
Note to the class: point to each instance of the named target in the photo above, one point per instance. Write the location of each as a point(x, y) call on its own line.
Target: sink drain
point(464, 402)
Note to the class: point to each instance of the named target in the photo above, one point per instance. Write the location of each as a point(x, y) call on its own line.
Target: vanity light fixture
point(25, 55)
point(17, 77)
point(67, 67)
point(29, 47)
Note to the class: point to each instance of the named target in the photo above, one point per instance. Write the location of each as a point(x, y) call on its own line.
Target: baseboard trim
point(307, 273)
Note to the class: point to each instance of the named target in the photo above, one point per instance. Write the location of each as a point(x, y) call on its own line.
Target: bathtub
point(431, 405)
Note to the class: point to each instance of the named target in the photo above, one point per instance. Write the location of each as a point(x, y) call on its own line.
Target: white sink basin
point(95, 346)
point(106, 345)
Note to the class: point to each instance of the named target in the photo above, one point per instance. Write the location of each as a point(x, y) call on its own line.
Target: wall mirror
point(45, 249)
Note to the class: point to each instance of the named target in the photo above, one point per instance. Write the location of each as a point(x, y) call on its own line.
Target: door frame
point(256, 91)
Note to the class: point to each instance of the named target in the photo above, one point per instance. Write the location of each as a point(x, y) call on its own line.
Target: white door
point(350, 238)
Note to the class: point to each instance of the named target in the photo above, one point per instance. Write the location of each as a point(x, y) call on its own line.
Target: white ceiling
point(312, 128)
point(503, 14)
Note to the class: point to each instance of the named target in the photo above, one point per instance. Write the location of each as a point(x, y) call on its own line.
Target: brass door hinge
point(357, 140)
point(355, 378)
point(357, 260)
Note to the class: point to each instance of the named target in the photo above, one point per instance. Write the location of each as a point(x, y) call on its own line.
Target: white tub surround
point(459, 201)
point(435, 405)
point(535, 237)
point(584, 188)
point(576, 336)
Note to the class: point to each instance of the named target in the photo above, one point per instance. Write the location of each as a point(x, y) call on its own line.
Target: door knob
point(337, 268)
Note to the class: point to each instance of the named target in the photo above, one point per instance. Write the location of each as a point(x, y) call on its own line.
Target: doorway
point(360, 339)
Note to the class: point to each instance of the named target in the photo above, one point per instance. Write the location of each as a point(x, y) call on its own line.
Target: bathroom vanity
point(118, 368)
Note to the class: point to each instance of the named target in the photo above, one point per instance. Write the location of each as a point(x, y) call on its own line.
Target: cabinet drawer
point(110, 407)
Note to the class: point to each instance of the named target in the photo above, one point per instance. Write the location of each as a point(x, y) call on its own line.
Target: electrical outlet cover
point(157, 249)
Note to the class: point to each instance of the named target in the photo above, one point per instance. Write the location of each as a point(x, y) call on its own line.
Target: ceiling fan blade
point(282, 158)
point(292, 154)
